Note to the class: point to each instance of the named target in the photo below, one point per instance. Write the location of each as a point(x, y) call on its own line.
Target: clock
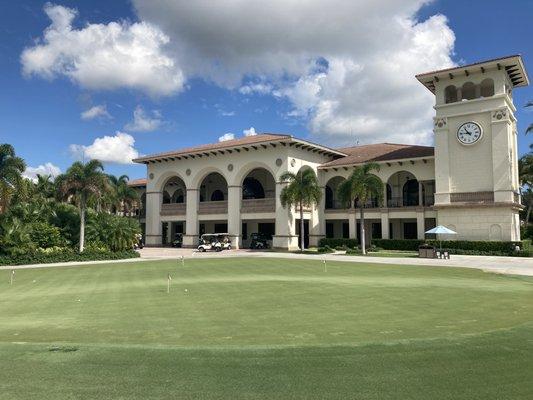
point(469, 133)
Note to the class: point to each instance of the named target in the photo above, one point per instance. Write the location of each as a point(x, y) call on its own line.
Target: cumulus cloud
point(249, 132)
point(104, 56)
point(95, 112)
point(226, 136)
point(117, 149)
point(144, 121)
point(346, 67)
point(43, 169)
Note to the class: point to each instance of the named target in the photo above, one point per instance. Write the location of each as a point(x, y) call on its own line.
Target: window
point(252, 189)
point(469, 91)
point(450, 94)
point(487, 88)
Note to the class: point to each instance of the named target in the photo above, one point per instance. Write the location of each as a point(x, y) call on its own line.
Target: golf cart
point(259, 241)
point(214, 241)
point(178, 240)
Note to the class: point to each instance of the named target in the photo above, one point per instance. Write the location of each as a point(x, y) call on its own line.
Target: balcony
point(213, 207)
point(258, 205)
point(173, 209)
point(397, 202)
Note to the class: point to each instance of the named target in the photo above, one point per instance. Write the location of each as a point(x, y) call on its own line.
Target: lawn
point(265, 329)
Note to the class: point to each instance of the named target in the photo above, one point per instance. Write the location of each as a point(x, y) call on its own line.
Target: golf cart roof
point(214, 234)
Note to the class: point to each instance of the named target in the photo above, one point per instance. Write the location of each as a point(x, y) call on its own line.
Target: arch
point(495, 232)
point(200, 176)
point(247, 169)
point(450, 94)
point(213, 187)
point(164, 178)
point(402, 189)
point(487, 87)
point(468, 91)
point(174, 190)
point(332, 200)
point(258, 183)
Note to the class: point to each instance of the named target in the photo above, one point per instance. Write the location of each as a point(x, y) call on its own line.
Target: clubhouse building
point(467, 182)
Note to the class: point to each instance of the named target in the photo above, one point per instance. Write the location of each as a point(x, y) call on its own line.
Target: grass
point(265, 329)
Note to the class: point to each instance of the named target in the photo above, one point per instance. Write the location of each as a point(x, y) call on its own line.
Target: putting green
point(265, 328)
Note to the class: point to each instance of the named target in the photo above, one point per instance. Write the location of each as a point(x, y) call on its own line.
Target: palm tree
point(124, 194)
point(80, 183)
point(362, 185)
point(530, 127)
point(525, 172)
point(45, 186)
point(11, 169)
point(303, 190)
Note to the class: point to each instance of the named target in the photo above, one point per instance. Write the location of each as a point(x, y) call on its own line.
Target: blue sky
point(325, 80)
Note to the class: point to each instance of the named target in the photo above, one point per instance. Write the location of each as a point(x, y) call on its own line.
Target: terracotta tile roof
point(137, 182)
point(379, 152)
point(229, 144)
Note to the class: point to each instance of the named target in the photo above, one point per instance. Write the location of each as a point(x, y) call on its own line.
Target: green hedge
point(453, 246)
point(66, 255)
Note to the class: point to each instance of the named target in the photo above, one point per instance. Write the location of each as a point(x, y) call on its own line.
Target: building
point(467, 182)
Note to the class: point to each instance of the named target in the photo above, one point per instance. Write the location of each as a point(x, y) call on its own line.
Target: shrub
point(62, 254)
point(338, 242)
point(44, 235)
point(325, 249)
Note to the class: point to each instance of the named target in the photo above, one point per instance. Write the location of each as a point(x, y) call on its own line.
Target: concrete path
point(501, 265)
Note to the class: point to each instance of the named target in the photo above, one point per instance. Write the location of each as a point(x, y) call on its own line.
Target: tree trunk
point(362, 230)
point(528, 215)
point(302, 240)
point(82, 226)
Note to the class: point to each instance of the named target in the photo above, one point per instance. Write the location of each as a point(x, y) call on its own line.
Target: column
point(352, 223)
point(385, 224)
point(153, 219)
point(190, 239)
point(317, 228)
point(420, 193)
point(234, 215)
point(385, 202)
point(420, 224)
point(285, 237)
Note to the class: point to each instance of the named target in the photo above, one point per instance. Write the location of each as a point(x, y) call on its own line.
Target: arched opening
point(487, 88)
point(402, 190)
point(174, 191)
point(450, 94)
point(213, 188)
point(410, 193)
point(332, 200)
point(258, 184)
point(469, 91)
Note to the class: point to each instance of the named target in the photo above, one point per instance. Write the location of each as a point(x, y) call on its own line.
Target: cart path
point(501, 265)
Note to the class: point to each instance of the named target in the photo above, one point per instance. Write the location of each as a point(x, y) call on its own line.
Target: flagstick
point(12, 276)
point(325, 266)
point(168, 283)
point(182, 261)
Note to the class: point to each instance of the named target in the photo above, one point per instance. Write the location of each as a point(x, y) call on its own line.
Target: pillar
point(352, 223)
point(420, 224)
point(153, 235)
point(190, 239)
point(385, 224)
point(285, 237)
point(234, 215)
point(420, 193)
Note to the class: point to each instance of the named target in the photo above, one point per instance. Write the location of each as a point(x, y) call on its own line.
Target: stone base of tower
point(495, 223)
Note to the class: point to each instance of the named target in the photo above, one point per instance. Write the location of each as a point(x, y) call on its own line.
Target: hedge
point(66, 255)
point(453, 246)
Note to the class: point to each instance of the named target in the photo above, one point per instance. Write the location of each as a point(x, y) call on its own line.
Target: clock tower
point(476, 155)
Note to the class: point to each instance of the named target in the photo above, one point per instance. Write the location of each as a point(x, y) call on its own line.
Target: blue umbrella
point(441, 230)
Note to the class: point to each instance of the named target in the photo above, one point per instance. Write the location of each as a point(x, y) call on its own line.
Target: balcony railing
point(173, 209)
point(213, 207)
point(258, 205)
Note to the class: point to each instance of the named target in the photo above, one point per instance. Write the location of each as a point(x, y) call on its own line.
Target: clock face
point(469, 133)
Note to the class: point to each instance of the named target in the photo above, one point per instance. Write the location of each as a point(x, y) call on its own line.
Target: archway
point(258, 184)
point(213, 188)
point(332, 200)
point(174, 190)
point(402, 189)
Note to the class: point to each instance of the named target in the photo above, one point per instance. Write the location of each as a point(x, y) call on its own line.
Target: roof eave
point(354, 164)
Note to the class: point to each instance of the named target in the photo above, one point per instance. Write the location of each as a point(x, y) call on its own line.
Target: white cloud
point(43, 169)
point(99, 111)
point(346, 67)
point(118, 149)
point(104, 56)
point(143, 121)
point(226, 136)
point(249, 132)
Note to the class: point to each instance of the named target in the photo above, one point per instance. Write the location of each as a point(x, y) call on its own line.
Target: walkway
point(501, 265)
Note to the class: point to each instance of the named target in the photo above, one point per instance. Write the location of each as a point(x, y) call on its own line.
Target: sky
point(114, 80)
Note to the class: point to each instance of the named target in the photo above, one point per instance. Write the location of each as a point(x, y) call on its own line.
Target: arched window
point(487, 88)
point(450, 94)
point(217, 195)
point(410, 193)
point(469, 91)
point(329, 198)
point(252, 189)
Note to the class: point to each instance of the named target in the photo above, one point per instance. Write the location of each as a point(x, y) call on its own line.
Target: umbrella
point(441, 230)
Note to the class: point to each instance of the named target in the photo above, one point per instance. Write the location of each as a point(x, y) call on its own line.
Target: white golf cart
point(215, 242)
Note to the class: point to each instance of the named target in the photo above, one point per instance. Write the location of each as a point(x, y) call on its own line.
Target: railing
point(397, 202)
point(472, 197)
point(213, 207)
point(173, 209)
point(258, 205)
